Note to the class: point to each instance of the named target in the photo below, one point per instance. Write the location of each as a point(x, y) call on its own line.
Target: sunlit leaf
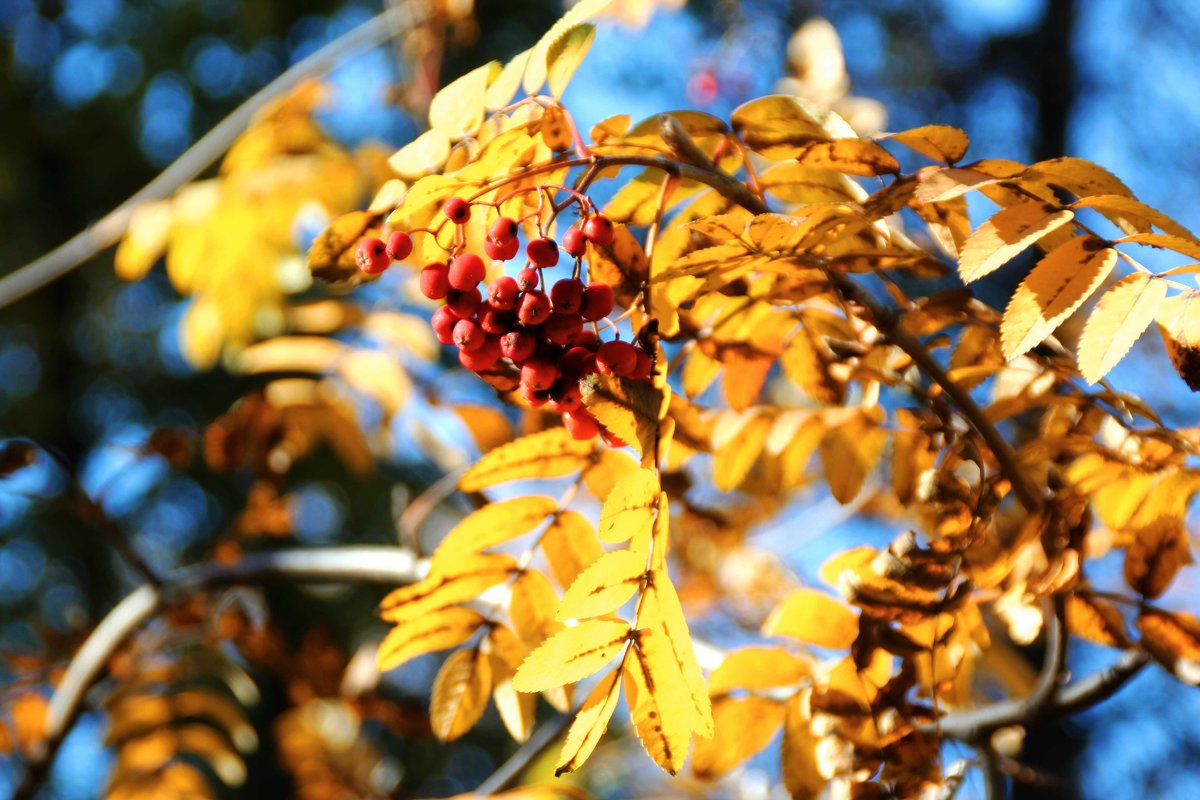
point(1122, 314)
point(437, 630)
point(813, 618)
point(604, 586)
point(590, 723)
point(491, 525)
point(1007, 233)
point(548, 454)
point(742, 727)
point(1157, 553)
point(565, 54)
point(572, 654)
point(629, 510)
point(460, 693)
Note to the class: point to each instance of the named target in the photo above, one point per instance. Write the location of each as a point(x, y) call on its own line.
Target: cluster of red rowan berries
point(539, 328)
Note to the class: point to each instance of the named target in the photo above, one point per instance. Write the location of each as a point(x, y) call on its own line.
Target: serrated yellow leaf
point(1133, 216)
point(459, 582)
point(661, 609)
point(658, 701)
point(757, 668)
point(1006, 234)
point(421, 156)
point(589, 724)
point(457, 109)
point(610, 466)
point(548, 454)
point(604, 586)
point(491, 525)
point(629, 510)
point(939, 142)
point(531, 607)
point(779, 126)
point(1079, 177)
point(849, 452)
point(506, 645)
point(1059, 284)
point(814, 618)
point(571, 546)
point(742, 727)
point(801, 773)
point(571, 655)
point(535, 69)
point(565, 54)
point(460, 693)
point(795, 183)
point(849, 156)
point(1122, 314)
point(500, 92)
point(437, 630)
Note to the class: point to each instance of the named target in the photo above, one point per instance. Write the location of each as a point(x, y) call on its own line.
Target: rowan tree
point(679, 328)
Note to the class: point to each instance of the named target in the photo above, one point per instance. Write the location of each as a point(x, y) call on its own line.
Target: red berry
point(468, 335)
point(587, 338)
point(575, 243)
point(518, 346)
point(443, 325)
point(458, 210)
point(503, 230)
point(612, 441)
point(371, 256)
point(577, 363)
point(399, 246)
point(466, 271)
point(641, 371)
point(597, 301)
point(581, 424)
point(534, 397)
point(539, 374)
point(435, 281)
point(463, 304)
point(495, 321)
point(501, 252)
point(616, 358)
point(567, 295)
point(599, 230)
point(482, 359)
point(527, 279)
point(565, 396)
point(502, 293)
point(562, 328)
point(543, 252)
point(534, 308)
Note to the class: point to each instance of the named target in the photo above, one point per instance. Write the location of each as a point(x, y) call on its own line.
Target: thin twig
point(995, 782)
point(546, 734)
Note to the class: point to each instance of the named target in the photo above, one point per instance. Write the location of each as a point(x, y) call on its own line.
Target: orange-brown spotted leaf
point(437, 630)
point(1173, 639)
point(630, 410)
point(658, 701)
point(572, 654)
point(629, 510)
point(939, 142)
point(1122, 314)
point(491, 525)
point(801, 773)
point(662, 610)
point(849, 453)
point(1006, 234)
point(850, 156)
point(815, 618)
point(1059, 284)
point(590, 723)
point(742, 727)
point(460, 693)
point(571, 546)
point(1096, 620)
point(460, 581)
point(757, 668)
point(604, 586)
point(547, 454)
point(1158, 551)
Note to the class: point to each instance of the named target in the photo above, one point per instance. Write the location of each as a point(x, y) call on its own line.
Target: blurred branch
point(385, 565)
point(518, 762)
point(112, 226)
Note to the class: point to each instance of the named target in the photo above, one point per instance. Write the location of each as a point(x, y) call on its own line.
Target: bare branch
point(518, 762)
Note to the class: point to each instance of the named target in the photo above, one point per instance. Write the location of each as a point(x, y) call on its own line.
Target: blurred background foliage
point(97, 96)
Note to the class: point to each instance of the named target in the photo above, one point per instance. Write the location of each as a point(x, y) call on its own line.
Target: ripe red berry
point(543, 252)
point(468, 335)
point(495, 321)
point(518, 346)
point(534, 308)
point(580, 424)
point(371, 256)
point(534, 397)
point(599, 230)
point(597, 301)
point(463, 304)
point(560, 329)
point(502, 293)
point(483, 358)
point(641, 370)
point(435, 281)
point(399, 246)
point(527, 279)
point(565, 396)
point(443, 325)
point(457, 210)
point(501, 252)
point(587, 338)
point(539, 374)
point(577, 362)
point(503, 230)
point(575, 243)
point(616, 358)
point(466, 271)
point(567, 295)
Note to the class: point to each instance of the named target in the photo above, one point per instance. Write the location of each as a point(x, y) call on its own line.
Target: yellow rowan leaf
point(1079, 177)
point(939, 142)
point(314, 354)
point(610, 466)
point(518, 711)
point(457, 583)
point(571, 546)
point(531, 607)
point(1006, 234)
point(145, 240)
point(589, 724)
point(502, 88)
point(437, 630)
point(658, 701)
point(565, 54)
point(604, 586)
point(661, 609)
point(796, 183)
point(1173, 639)
point(1179, 325)
point(505, 645)
point(549, 454)
point(423, 155)
point(629, 510)
point(742, 727)
point(738, 441)
point(1158, 551)
point(491, 525)
point(757, 668)
point(849, 156)
point(1096, 620)
point(572, 654)
point(489, 427)
point(535, 69)
point(814, 618)
point(1124, 311)
point(849, 452)
point(801, 773)
point(804, 364)
point(460, 693)
point(780, 126)
point(942, 185)
point(1133, 216)
point(623, 264)
point(1059, 284)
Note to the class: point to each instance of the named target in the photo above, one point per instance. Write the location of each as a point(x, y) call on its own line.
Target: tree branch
point(546, 734)
point(113, 225)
